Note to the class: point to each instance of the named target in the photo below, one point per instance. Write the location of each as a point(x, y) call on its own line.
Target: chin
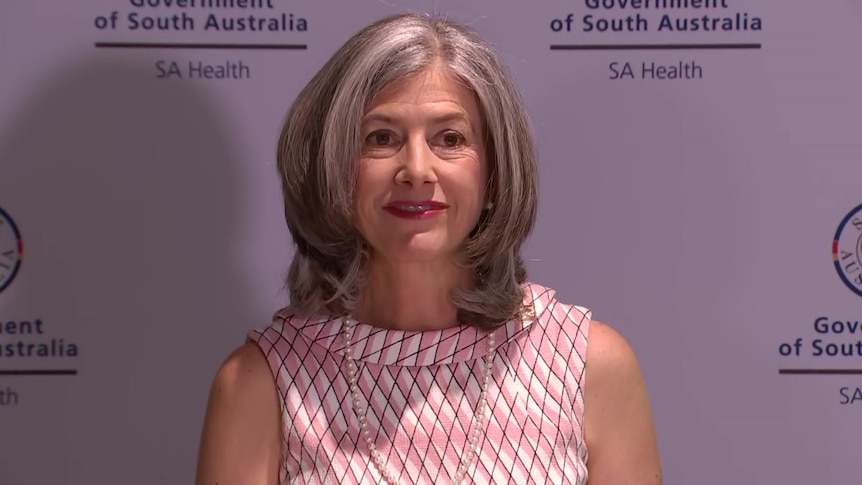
point(417, 250)
point(419, 255)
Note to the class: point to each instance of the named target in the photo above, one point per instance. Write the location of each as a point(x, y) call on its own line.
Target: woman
point(414, 349)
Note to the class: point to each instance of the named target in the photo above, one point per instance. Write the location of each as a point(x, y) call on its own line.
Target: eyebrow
point(443, 118)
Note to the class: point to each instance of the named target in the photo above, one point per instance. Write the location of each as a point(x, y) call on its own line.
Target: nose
point(417, 163)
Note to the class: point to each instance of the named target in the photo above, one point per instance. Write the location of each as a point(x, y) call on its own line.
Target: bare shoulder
point(246, 370)
point(241, 439)
point(618, 422)
point(608, 352)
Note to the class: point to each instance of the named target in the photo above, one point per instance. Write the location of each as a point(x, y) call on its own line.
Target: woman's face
point(422, 171)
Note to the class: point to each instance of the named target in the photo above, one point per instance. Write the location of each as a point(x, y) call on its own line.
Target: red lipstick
point(415, 209)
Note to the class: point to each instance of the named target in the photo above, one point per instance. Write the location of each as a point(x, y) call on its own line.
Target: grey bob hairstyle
point(320, 143)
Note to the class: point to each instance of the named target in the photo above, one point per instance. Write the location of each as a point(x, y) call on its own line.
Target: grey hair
point(321, 139)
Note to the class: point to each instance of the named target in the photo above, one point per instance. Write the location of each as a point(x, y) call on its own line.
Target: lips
point(416, 205)
point(413, 209)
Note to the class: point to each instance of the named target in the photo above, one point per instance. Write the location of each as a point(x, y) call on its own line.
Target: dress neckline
point(380, 346)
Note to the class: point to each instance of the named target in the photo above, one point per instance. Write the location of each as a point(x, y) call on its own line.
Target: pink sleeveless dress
point(421, 391)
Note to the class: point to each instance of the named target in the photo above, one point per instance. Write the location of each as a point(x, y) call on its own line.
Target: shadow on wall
point(124, 189)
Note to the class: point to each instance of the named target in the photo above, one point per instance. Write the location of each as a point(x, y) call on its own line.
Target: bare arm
point(241, 439)
point(618, 423)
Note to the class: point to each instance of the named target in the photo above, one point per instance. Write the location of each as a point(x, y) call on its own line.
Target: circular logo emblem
point(847, 250)
point(11, 250)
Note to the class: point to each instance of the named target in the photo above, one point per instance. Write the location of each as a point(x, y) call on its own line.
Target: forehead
point(434, 88)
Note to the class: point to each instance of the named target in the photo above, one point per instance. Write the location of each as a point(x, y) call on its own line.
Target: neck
point(410, 297)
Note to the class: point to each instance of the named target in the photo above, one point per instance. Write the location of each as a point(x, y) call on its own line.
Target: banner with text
point(700, 167)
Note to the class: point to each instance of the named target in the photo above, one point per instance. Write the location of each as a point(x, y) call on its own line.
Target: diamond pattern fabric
point(421, 391)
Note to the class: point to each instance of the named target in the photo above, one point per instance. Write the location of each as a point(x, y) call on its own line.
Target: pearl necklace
point(376, 457)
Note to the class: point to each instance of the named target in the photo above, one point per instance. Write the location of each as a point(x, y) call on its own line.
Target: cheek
point(479, 173)
point(364, 184)
point(370, 185)
point(360, 194)
point(470, 188)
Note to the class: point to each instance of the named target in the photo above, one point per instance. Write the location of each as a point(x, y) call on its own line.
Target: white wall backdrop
point(698, 187)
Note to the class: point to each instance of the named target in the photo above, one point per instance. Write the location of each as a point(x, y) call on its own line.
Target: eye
point(381, 143)
point(452, 139)
point(379, 138)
